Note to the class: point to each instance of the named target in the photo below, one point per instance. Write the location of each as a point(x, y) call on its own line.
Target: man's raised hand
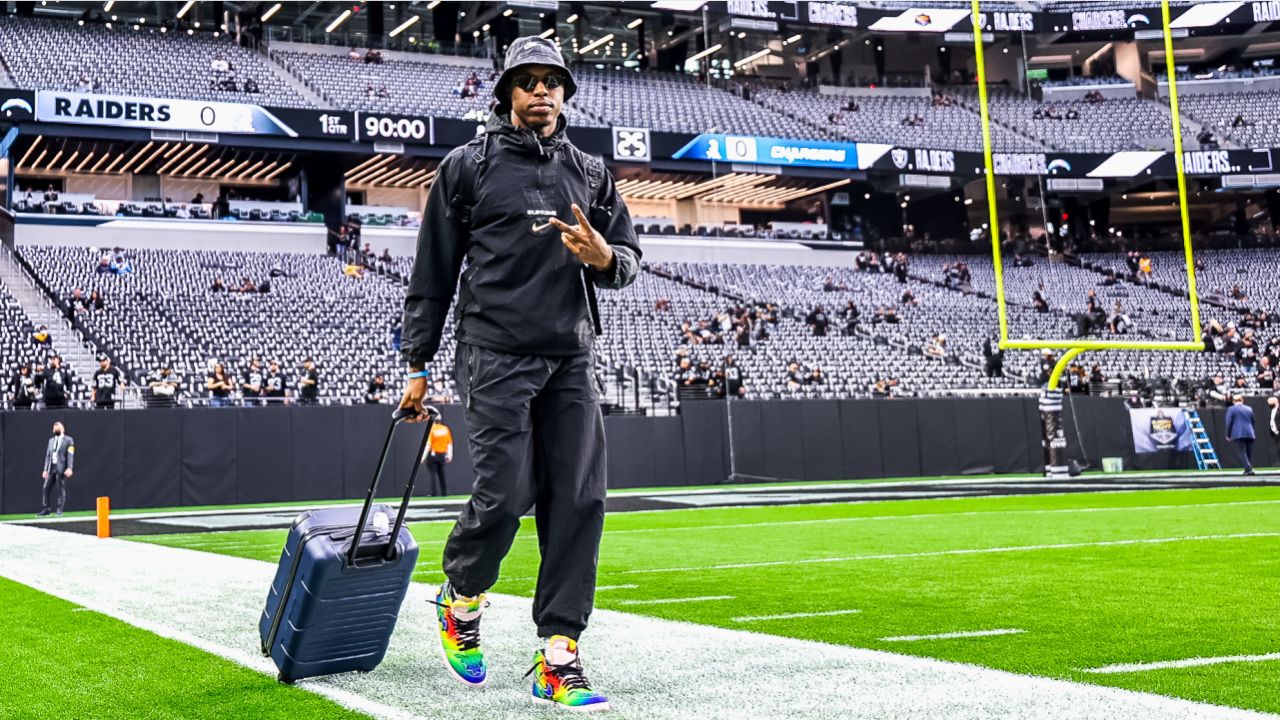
point(584, 242)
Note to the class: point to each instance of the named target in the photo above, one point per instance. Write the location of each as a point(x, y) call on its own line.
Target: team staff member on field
point(59, 460)
point(439, 453)
point(541, 224)
point(1240, 431)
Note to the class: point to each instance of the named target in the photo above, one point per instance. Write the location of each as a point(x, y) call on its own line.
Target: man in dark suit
point(1240, 431)
point(59, 459)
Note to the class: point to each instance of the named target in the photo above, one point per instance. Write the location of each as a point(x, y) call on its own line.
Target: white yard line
point(939, 553)
point(213, 602)
point(793, 616)
point(954, 635)
point(669, 601)
point(1174, 664)
point(607, 588)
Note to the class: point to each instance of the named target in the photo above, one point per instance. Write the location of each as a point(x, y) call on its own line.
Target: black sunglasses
point(529, 83)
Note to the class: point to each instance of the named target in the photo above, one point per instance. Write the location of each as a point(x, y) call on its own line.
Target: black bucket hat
point(531, 50)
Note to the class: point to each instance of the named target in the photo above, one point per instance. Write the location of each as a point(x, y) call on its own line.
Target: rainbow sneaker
point(460, 635)
point(558, 678)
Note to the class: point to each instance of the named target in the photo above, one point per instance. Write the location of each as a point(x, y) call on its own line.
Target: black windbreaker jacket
point(522, 292)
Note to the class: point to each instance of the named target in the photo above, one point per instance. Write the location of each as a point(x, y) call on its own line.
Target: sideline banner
point(1156, 429)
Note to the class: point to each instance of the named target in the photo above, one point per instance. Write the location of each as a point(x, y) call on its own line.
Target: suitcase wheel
point(281, 677)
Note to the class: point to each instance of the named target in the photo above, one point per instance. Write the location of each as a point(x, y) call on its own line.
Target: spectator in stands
point(50, 200)
point(1039, 303)
point(1266, 376)
point(1077, 380)
point(76, 302)
point(908, 298)
point(382, 92)
point(163, 385)
point(219, 385)
point(376, 389)
point(1047, 362)
point(662, 305)
point(1206, 139)
point(734, 381)
point(104, 265)
point(1096, 376)
point(1237, 294)
point(880, 389)
point(355, 55)
point(95, 302)
point(22, 389)
point(373, 57)
point(687, 375)
point(795, 377)
point(850, 316)
point(252, 383)
point(1247, 354)
point(1218, 390)
point(198, 199)
point(1240, 121)
point(1119, 322)
point(937, 347)
point(106, 380)
point(41, 336)
point(1240, 431)
point(818, 321)
point(54, 384)
point(993, 359)
point(815, 377)
point(1072, 114)
point(275, 384)
point(1145, 269)
point(251, 86)
point(247, 286)
point(218, 286)
point(309, 383)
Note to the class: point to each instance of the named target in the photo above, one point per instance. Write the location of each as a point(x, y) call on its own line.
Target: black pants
point(537, 440)
point(1244, 448)
point(54, 494)
point(435, 464)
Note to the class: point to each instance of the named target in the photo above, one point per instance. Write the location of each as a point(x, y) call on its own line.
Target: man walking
point(1240, 431)
point(526, 323)
point(59, 460)
point(439, 453)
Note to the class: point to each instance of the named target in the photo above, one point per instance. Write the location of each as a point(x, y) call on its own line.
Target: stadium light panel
point(30, 150)
point(634, 23)
point(250, 169)
point(340, 19)
point(793, 38)
point(110, 4)
point(137, 156)
point(114, 163)
point(704, 53)
point(70, 160)
point(270, 13)
point(508, 12)
point(405, 25)
point(187, 7)
point(195, 167)
point(596, 43)
point(432, 5)
point(547, 33)
point(190, 158)
point(752, 57)
point(278, 170)
point(105, 157)
point(182, 151)
point(258, 175)
point(572, 19)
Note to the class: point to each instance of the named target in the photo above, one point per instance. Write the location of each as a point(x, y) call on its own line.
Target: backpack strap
point(464, 196)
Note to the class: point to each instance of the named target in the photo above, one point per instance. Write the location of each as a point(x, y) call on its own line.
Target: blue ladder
point(1206, 456)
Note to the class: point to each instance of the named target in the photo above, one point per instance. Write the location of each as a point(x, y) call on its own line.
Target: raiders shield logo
point(899, 156)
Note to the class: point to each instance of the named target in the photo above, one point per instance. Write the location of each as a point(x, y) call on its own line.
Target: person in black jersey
point(54, 384)
point(309, 383)
point(106, 380)
point(22, 389)
point(377, 388)
point(251, 386)
point(274, 384)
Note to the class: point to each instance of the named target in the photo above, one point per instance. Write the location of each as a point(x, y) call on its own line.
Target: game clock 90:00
point(375, 127)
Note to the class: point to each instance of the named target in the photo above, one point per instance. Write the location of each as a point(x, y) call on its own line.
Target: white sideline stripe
point(1173, 664)
point(793, 616)
point(941, 553)
point(606, 588)
point(665, 601)
point(935, 515)
point(214, 601)
point(953, 635)
point(1262, 479)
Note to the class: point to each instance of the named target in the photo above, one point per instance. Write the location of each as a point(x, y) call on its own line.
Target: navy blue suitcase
point(337, 592)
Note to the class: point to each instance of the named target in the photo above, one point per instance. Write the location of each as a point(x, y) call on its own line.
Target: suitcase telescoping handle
point(397, 417)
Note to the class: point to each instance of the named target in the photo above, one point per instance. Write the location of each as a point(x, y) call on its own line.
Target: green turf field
point(63, 662)
point(1074, 573)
